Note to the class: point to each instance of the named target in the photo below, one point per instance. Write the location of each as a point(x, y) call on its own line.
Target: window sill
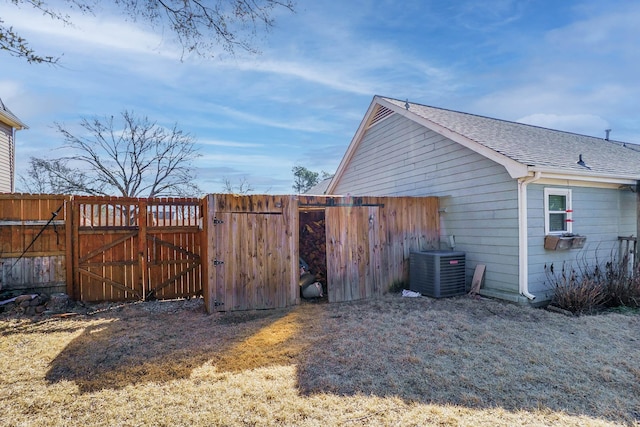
point(564, 242)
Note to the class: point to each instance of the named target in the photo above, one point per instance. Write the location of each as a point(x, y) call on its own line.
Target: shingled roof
point(533, 146)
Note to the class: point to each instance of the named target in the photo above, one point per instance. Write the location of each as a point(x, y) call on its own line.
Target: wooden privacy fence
point(101, 248)
point(240, 252)
point(33, 242)
point(368, 240)
point(253, 245)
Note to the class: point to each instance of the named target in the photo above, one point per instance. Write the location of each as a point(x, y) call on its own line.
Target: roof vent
point(607, 132)
point(582, 163)
point(380, 114)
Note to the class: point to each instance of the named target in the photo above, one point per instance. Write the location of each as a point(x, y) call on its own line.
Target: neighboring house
point(503, 187)
point(9, 123)
point(320, 188)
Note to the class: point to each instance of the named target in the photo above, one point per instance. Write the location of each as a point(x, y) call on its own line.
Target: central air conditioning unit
point(437, 274)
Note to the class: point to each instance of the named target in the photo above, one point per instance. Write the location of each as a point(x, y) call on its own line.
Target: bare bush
point(623, 288)
point(591, 287)
point(578, 291)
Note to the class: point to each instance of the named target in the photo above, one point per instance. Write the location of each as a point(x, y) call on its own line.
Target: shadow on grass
point(30, 326)
point(136, 347)
point(477, 354)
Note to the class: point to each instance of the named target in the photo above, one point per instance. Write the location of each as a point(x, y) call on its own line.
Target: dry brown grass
point(388, 361)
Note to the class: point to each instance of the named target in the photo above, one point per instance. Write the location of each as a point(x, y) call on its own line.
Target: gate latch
point(216, 262)
point(217, 221)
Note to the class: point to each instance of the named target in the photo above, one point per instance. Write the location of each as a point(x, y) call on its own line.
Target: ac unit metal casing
point(437, 274)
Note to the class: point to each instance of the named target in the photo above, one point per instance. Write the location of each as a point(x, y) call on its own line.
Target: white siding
point(600, 214)
point(398, 157)
point(6, 161)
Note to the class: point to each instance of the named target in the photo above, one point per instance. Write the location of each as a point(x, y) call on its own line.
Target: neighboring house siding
point(398, 157)
point(601, 214)
point(6, 161)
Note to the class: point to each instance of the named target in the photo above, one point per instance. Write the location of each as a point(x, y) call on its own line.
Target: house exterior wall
point(600, 214)
point(478, 199)
point(6, 158)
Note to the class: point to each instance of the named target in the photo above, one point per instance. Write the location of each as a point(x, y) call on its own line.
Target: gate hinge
point(217, 221)
point(216, 262)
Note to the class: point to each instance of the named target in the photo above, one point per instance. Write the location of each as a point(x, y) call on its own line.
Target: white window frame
point(569, 210)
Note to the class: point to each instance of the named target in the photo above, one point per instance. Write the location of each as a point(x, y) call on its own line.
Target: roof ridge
point(507, 121)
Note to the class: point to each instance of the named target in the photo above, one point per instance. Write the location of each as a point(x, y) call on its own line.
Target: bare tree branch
point(243, 186)
point(200, 26)
point(139, 159)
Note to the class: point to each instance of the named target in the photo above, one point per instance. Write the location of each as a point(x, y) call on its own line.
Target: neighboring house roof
point(320, 188)
point(7, 117)
point(521, 148)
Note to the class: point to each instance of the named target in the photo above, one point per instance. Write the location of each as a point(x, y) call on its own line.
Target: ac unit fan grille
point(437, 274)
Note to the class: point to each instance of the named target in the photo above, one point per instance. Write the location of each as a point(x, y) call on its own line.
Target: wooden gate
point(126, 248)
point(369, 239)
point(353, 253)
point(252, 252)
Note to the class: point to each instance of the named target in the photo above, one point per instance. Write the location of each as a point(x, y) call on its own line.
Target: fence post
point(71, 252)
point(142, 246)
point(205, 250)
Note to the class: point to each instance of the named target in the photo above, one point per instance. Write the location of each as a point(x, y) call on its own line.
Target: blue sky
point(569, 65)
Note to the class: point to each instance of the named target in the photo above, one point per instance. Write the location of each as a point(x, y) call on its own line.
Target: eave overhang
point(11, 120)
point(576, 175)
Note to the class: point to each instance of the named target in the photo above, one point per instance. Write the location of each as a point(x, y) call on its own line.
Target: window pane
point(558, 222)
point(557, 202)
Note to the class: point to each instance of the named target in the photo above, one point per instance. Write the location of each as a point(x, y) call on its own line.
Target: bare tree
point(243, 187)
point(142, 159)
point(200, 26)
point(51, 177)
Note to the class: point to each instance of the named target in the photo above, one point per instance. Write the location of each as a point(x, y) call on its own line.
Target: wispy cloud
point(326, 75)
point(87, 33)
point(305, 124)
point(488, 15)
point(580, 77)
point(235, 144)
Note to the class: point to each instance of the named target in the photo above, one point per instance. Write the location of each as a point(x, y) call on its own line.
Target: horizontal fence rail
point(101, 248)
point(33, 242)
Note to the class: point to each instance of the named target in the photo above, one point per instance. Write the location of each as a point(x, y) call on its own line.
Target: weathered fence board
point(253, 241)
point(353, 271)
point(32, 242)
point(369, 240)
point(252, 247)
